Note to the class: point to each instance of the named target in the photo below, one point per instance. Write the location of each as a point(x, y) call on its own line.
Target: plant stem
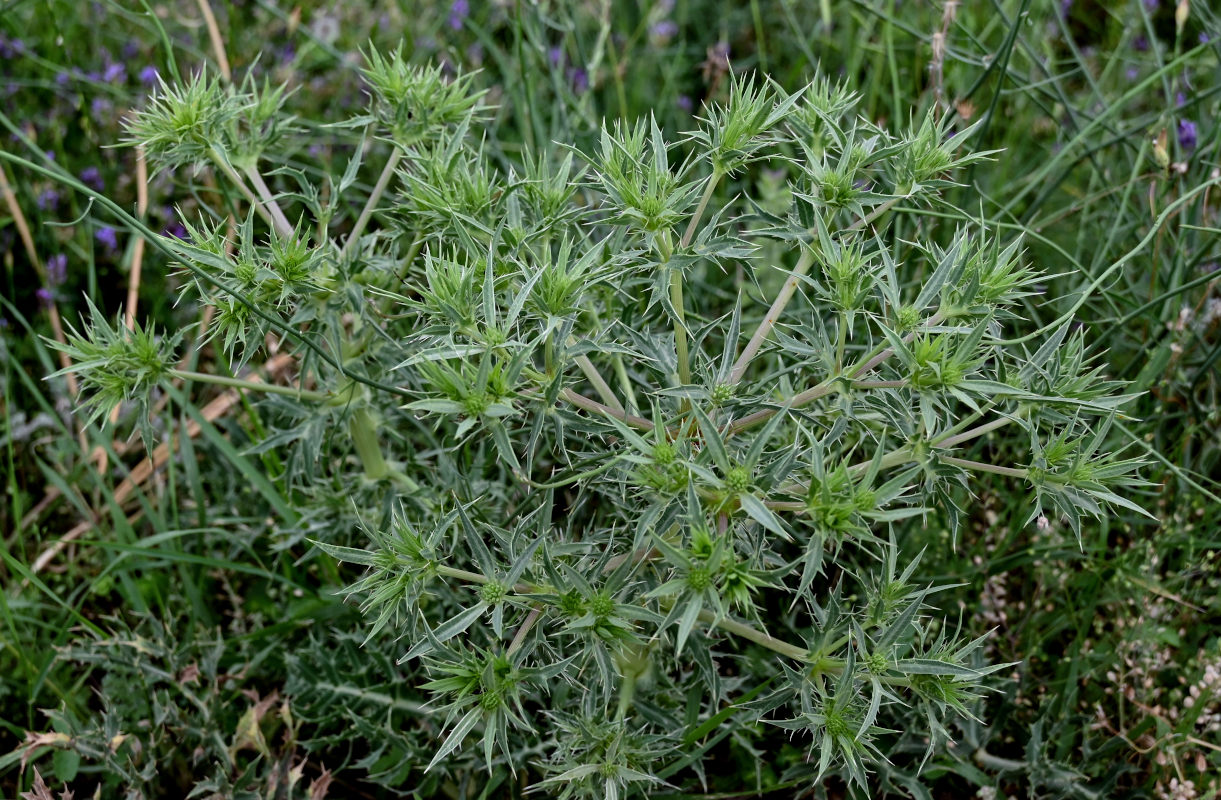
point(254, 386)
point(980, 430)
point(872, 360)
point(237, 181)
point(758, 637)
point(379, 189)
point(786, 294)
point(986, 759)
point(520, 638)
point(581, 401)
point(841, 341)
point(363, 430)
point(964, 422)
point(279, 221)
point(884, 353)
point(461, 574)
point(809, 396)
point(625, 381)
point(982, 467)
point(595, 378)
point(709, 188)
point(771, 317)
point(680, 327)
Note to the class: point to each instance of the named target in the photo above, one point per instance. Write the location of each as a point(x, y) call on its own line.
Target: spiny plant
point(644, 460)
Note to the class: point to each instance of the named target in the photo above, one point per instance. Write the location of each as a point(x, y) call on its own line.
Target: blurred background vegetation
point(165, 626)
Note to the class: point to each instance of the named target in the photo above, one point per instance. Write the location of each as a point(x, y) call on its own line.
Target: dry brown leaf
point(39, 790)
point(318, 786)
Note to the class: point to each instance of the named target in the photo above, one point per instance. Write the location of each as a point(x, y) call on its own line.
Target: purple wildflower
point(1189, 136)
point(1140, 44)
point(1152, 5)
point(11, 47)
point(48, 199)
point(555, 55)
point(149, 75)
point(1066, 7)
point(685, 103)
point(1132, 73)
point(579, 79)
point(63, 78)
point(107, 236)
point(114, 73)
point(92, 177)
point(1202, 38)
point(458, 12)
point(45, 298)
point(664, 29)
point(101, 108)
point(57, 269)
point(176, 229)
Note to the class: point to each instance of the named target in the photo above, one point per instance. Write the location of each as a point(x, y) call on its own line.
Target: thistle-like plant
point(640, 452)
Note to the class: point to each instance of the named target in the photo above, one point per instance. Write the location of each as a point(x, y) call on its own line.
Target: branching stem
point(279, 221)
point(253, 386)
point(375, 197)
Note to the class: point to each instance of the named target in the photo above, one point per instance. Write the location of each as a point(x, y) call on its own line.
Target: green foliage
point(489, 369)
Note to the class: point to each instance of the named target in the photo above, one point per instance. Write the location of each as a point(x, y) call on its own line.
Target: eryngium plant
point(636, 462)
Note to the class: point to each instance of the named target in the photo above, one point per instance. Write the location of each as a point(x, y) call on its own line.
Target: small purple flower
point(1132, 73)
point(131, 49)
point(92, 177)
point(107, 236)
point(1179, 100)
point(11, 47)
point(1152, 5)
point(45, 298)
point(101, 109)
point(579, 79)
point(685, 103)
point(1066, 7)
point(149, 75)
point(48, 199)
point(1189, 136)
point(1140, 44)
point(1202, 38)
point(458, 12)
point(287, 54)
point(555, 55)
point(176, 229)
point(63, 78)
point(664, 29)
point(114, 73)
point(57, 269)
